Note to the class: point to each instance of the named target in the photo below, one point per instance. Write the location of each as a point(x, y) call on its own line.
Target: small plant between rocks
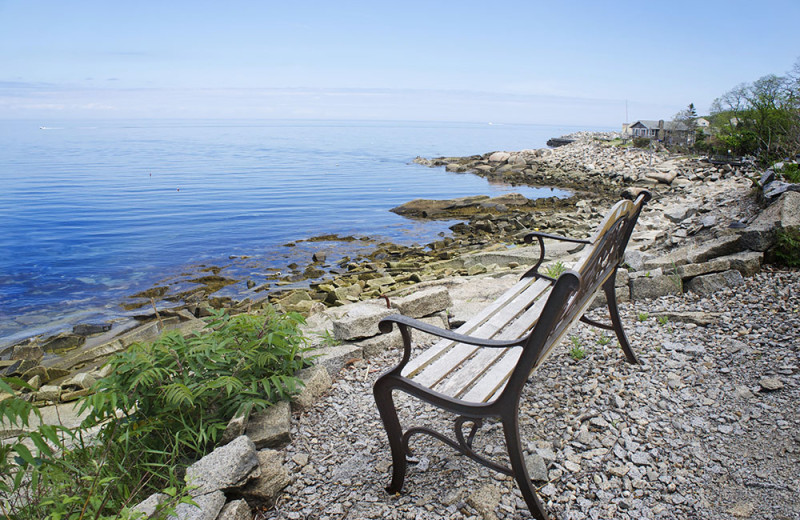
point(327, 339)
point(789, 172)
point(577, 352)
point(556, 269)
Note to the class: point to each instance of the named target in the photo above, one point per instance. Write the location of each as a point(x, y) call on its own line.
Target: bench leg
point(515, 455)
point(391, 423)
point(613, 311)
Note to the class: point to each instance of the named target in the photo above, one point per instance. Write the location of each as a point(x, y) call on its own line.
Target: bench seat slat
point(481, 373)
point(494, 380)
point(433, 352)
point(457, 353)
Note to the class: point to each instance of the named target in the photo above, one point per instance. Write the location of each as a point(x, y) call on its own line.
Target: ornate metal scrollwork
point(461, 445)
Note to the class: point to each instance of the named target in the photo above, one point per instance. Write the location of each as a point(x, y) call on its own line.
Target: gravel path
point(707, 428)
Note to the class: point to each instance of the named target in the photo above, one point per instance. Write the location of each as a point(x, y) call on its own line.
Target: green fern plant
point(176, 395)
point(164, 405)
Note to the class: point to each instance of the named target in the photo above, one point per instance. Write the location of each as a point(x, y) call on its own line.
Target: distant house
point(668, 132)
point(702, 122)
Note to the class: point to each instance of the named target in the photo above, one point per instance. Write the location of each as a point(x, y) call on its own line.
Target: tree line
point(761, 119)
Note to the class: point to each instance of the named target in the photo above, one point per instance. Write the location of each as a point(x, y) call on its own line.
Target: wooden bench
point(478, 371)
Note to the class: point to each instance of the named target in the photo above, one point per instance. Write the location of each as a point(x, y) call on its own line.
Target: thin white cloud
point(39, 101)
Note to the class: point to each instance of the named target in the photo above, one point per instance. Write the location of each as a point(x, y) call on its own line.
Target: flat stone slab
point(335, 357)
point(714, 248)
point(423, 303)
point(360, 320)
point(714, 266)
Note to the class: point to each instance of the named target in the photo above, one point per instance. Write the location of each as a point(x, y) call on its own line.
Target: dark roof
point(668, 125)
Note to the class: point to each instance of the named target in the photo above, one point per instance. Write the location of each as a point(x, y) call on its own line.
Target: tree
point(761, 118)
point(688, 117)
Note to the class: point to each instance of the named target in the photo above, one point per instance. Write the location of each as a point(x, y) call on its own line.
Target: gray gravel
point(708, 427)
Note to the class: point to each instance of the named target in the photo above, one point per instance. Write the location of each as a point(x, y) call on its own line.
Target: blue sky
point(516, 62)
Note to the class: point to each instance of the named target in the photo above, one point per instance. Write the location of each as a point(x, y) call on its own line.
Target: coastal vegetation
point(761, 119)
point(162, 406)
point(787, 247)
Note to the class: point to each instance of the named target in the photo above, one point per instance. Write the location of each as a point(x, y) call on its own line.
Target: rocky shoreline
point(614, 441)
point(382, 268)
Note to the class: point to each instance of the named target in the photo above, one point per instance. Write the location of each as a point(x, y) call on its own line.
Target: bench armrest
point(538, 234)
point(534, 271)
point(385, 325)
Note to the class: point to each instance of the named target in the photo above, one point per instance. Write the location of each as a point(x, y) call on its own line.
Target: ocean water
point(92, 212)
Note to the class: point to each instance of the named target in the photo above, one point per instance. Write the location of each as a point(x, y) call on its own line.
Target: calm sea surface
point(92, 212)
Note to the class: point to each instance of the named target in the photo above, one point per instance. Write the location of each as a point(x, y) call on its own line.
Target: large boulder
point(710, 283)
point(784, 213)
point(654, 286)
point(226, 467)
point(499, 157)
point(360, 320)
point(316, 381)
point(423, 303)
point(270, 428)
point(263, 490)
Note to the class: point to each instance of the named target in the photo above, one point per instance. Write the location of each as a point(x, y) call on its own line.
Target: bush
point(787, 247)
point(790, 172)
point(641, 142)
point(164, 405)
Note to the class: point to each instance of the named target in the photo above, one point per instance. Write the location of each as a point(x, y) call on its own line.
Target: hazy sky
point(573, 62)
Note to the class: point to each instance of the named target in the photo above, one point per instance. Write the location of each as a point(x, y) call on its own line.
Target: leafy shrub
point(787, 247)
point(164, 405)
point(790, 172)
point(51, 472)
point(641, 142)
point(177, 394)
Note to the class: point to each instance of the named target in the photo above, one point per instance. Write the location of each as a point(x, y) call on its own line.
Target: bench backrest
point(575, 290)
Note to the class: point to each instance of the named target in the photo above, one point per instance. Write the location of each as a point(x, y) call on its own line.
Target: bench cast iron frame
point(571, 294)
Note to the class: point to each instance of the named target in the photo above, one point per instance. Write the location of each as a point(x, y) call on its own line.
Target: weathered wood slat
point(497, 376)
point(456, 354)
point(475, 368)
point(494, 380)
point(475, 374)
point(469, 327)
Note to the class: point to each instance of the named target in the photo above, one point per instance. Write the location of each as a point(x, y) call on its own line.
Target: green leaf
point(40, 444)
point(25, 453)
